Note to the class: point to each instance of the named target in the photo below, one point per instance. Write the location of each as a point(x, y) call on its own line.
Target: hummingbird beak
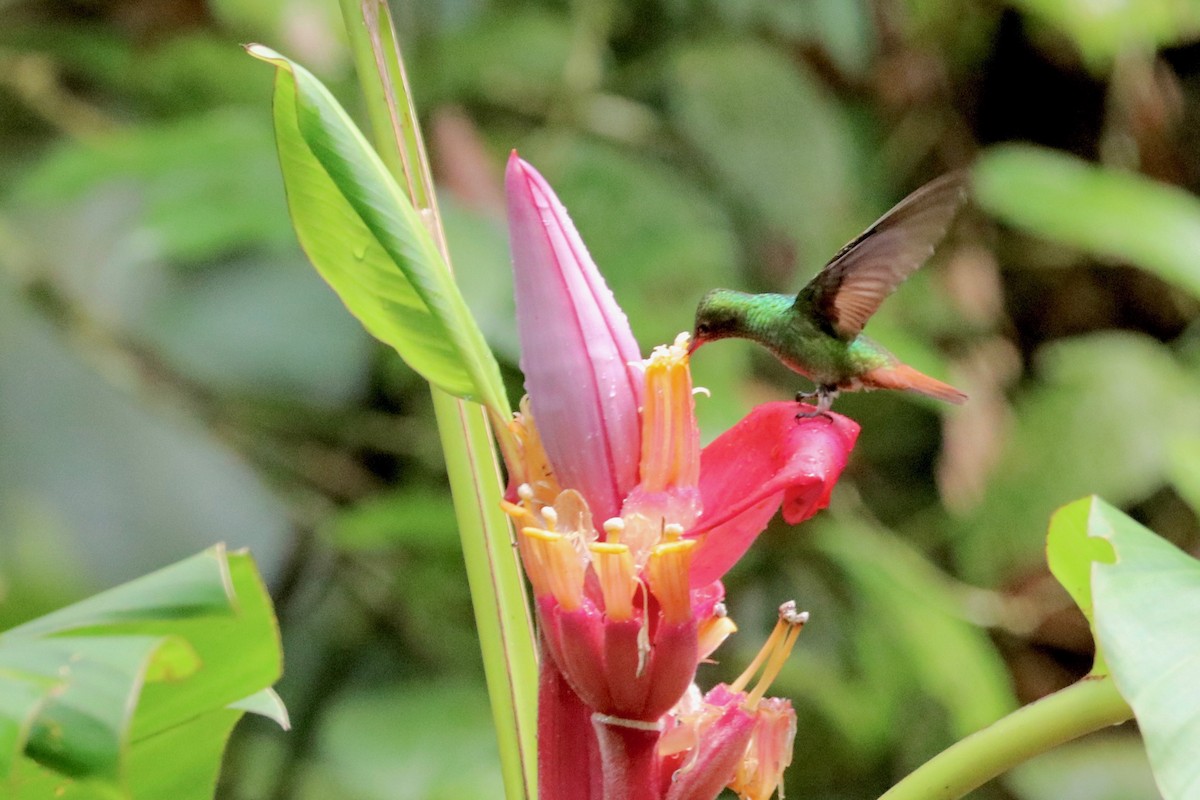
point(695, 343)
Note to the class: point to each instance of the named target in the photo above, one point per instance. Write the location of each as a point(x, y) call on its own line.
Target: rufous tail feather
point(905, 378)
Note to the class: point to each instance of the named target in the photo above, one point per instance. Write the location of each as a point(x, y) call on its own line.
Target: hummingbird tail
point(905, 378)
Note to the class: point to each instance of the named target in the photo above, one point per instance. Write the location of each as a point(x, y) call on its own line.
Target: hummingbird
point(818, 332)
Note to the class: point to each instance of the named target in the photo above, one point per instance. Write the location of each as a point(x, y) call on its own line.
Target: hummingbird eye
point(702, 329)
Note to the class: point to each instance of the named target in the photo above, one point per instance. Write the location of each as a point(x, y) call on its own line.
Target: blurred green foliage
point(173, 373)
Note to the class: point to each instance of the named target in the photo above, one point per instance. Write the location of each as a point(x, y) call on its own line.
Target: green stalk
point(498, 594)
point(1089, 705)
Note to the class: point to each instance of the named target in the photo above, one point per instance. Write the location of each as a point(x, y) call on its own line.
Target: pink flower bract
point(577, 351)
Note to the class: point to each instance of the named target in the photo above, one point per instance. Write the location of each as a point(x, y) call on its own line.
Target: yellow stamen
point(521, 516)
point(534, 467)
point(554, 567)
point(618, 578)
point(670, 438)
point(773, 653)
point(667, 571)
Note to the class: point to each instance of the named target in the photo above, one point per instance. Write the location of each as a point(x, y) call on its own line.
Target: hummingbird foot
point(824, 394)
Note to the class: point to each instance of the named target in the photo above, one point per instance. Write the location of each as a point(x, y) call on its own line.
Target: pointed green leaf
point(1103, 211)
point(242, 649)
point(1148, 622)
point(370, 244)
point(266, 703)
point(196, 586)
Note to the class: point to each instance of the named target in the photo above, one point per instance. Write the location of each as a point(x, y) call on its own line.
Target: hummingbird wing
point(860, 277)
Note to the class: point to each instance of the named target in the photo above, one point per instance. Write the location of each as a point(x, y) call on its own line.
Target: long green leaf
point(497, 589)
point(370, 244)
point(1103, 211)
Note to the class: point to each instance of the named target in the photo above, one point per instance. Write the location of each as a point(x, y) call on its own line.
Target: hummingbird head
point(720, 314)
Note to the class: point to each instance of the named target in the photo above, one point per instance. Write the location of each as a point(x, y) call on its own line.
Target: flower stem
point(568, 754)
point(629, 758)
point(498, 595)
point(1089, 705)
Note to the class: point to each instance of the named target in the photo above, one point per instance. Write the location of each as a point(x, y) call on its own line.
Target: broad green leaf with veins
point(132, 693)
point(1142, 596)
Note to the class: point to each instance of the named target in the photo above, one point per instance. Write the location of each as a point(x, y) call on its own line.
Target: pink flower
point(625, 526)
point(733, 737)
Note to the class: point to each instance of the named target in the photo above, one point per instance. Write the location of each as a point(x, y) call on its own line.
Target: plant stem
point(502, 614)
point(568, 754)
point(629, 759)
point(497, 592)
point(1089, 705)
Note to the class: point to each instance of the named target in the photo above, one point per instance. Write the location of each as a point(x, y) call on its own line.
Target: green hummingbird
point(818, 332)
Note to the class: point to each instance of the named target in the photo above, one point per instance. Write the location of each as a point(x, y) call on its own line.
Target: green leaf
point(265, 703)
point(1104, 31)
point(1105, 212)
point(1148, 623)
point(132, 693)
point(370, 244)
point(1071, 550)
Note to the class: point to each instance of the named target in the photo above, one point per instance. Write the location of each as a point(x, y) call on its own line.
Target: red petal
point(715, 761)
point(768, 459)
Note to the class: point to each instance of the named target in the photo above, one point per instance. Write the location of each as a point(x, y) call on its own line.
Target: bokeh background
point(173, 373)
